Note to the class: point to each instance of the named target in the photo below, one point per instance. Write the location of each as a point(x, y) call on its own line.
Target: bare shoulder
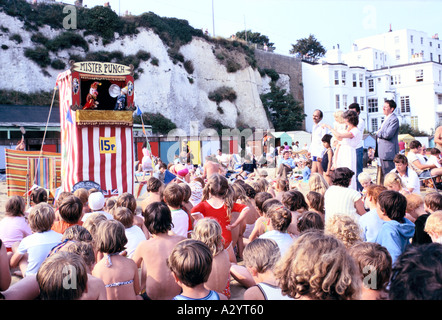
point(253, 293)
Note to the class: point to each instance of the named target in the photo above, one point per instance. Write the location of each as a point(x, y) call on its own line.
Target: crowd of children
point(189, 239)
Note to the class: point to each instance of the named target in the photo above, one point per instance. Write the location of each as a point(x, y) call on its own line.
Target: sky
point(286, 21)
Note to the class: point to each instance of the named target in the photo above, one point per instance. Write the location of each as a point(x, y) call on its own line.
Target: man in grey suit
point(387, 138)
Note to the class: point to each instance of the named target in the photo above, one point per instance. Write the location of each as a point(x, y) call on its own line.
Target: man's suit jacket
point(387, 138)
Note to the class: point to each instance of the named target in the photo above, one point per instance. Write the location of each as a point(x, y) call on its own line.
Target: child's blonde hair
point(92, 222)
point(392, 179)
point(41, 217)
point(317, 183)
point(434, 223)
point(318, 266)
point(364, 177)
point(261, 254)
point(344, 228)
point(338, 116)
point(209, 231)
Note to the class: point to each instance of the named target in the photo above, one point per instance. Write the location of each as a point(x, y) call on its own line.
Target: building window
point(431, 44)
point(374, 124)
point(419, 75)
point(344, 101)
point(422, 40)
point(414, 123)
point(431, 56)
point(411, 39)
point(336, 77)
point(439, 99)
point(398, 54)
point(355, 99)
point(338, 104)
point(396, 79)
point(405, 104)
point(362, 103)
point(370, 85)
point(412, 51)
point(355, 82)
point(361, 80)
point(344, 77)
point(372, 105)
point(396, 39)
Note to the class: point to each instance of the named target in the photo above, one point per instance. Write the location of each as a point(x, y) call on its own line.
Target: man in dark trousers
point(387, 145)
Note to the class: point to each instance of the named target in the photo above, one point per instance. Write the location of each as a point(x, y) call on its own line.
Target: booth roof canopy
point(406, 137)
point(278, 134)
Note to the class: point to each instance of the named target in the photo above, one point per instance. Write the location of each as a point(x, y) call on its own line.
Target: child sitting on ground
point(294, 201)
point(433, 226)
point(315, 202)
point(370, 222)
point(279, 219)
point(191, 263)
point(133, 233)
point(310, 220)
point(432, 203)
point(51, 277)
point(154, 188)
point(173, 196)
point(96, 203)
point(38, 195)
point(396, 231)
point(375, 266)
point(159, 283)
point(129, 201)
point(14, 227)
point(70, 212)
point(260, 258)
point(304, 274)
point(95, 286)
point(33, 249)
point(209, 231)
point(119, 274)
point(263, 200)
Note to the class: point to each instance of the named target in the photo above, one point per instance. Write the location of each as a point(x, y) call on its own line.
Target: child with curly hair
point(304, 273)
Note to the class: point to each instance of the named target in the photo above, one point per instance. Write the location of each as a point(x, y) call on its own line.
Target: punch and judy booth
point(96, 118)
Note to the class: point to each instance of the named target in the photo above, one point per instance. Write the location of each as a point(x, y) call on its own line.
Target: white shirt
point(316, 147)
point(180, 221)
point(361, 128)
point(282, 239)
point(340, 200)
point(410, 180)
point(37, 246)
point(134, 236)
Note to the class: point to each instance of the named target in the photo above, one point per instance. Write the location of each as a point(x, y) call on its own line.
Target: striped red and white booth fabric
point(99, 153)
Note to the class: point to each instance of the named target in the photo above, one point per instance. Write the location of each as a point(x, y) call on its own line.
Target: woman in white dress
point(349, 141)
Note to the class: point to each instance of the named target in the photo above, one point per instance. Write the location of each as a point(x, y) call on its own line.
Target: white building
point(402, 65)
point(401, 46)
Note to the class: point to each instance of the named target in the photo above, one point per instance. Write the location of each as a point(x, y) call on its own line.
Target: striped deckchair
point(26, 168)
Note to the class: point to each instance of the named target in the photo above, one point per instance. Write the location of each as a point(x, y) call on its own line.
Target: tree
point(255, 37)
point(160, 124)
point(282, 109)
point(308, 47)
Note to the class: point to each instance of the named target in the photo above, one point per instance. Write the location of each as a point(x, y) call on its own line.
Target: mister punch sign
point(102, 68)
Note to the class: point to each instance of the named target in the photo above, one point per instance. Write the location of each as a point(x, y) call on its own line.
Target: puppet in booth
point(121, 99)
point(91, 98)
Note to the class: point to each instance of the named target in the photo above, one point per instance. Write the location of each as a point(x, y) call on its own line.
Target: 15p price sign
point(108, 145)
